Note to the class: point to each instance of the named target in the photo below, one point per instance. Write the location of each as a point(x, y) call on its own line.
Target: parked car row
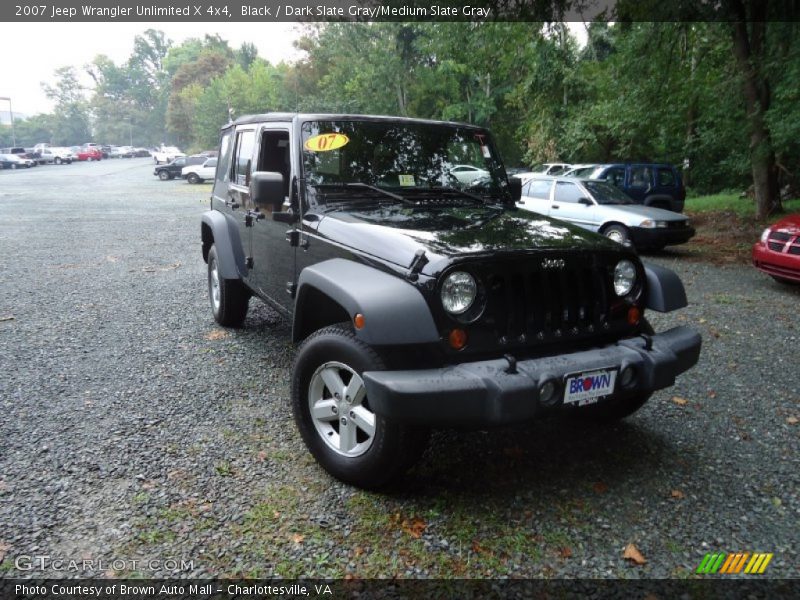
point(195, 169)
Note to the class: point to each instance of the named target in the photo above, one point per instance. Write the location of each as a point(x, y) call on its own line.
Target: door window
point(537, 188)
point(567, 192)
point(640, 177)
point(615, 176)
point(666, 178)
point(241, 164)
point(224, 156)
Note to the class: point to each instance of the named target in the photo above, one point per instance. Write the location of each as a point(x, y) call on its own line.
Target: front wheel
point(192, 178)
point(163, 175)
point(57, 160)
point(618, 233)
point(229, 298)
point(334, 416)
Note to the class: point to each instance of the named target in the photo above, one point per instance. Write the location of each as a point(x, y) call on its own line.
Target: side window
point(640, 177)
point(274, 156)
point(539, 188)
point(666, 178)
point(567, 192)
point(615, 176)
point(224, 156)
point(241, 165)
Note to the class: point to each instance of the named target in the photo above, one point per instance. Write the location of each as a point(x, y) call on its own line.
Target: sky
point(35, 50)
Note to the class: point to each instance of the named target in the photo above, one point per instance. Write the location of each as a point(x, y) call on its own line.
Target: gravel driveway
point(134, 429)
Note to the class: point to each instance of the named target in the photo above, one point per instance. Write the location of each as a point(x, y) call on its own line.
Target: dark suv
point(418, 303)
point(651, 184)
point(173, 169)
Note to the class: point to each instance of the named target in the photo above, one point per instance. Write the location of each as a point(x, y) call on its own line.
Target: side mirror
point(266, 190)
point(585, 201)
point(515, 187)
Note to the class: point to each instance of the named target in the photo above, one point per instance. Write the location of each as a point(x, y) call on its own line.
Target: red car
point(777, 253)
point(88, 153)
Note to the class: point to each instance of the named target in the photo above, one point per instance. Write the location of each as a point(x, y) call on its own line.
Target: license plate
point(588, 387)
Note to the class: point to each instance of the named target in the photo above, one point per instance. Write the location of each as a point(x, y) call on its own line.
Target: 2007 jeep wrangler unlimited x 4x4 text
point(417, 302)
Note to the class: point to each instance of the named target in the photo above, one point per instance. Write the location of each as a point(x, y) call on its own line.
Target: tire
point(192, 178)
point(618, 233)
point(164, 176)
point(57, 160)
point(617, 408)
point(228, 297)
point(13, 165)
point(371, 451)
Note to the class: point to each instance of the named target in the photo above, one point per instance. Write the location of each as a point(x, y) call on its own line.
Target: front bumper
point(777, 264)
point(644, 237)
point(485, 393)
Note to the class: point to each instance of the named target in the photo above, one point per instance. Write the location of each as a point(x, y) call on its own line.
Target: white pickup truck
point(166, 154)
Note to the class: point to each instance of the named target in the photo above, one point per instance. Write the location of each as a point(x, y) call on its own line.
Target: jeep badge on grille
point(553, 263)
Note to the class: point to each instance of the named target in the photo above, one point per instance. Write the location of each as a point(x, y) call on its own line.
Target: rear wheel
point(163, 175)
point(229, 298)
point(193, 178)
point(334, 416)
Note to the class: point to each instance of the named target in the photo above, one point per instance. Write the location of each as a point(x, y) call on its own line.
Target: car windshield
point(605, 193)
point(391, 159)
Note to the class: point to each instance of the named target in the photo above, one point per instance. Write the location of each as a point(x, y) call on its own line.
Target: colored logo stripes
point(741, 562)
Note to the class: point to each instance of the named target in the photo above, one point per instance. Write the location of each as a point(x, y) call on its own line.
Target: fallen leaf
point(217, 334)
point(564, 552)
point(712, 394)
point(632, 553)
point(3, 486)
point(261, 456)
point(7, 318)
point(702, 321)
point(415, 527)
point(358, 551)
point(680, 401)
point(600, 487)
point(677, 494)
point(3, 549)
point(297, 538)
point(112, 259)
point(478, 549)
point(276, 514)
point(148, 485)
point(792, 420)
point(776, 502)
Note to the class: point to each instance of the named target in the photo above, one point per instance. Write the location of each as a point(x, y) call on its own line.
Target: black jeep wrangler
point(417, 302)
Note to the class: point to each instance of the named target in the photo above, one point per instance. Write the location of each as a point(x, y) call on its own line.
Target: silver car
point(599, 206)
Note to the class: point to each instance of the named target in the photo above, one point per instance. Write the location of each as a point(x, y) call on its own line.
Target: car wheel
point(229, 298)
point(616, 408)
point(13, 165)
point(192, 178)
point(163, 176)
point(57, 160)
point(334, 417)
point(618, 233)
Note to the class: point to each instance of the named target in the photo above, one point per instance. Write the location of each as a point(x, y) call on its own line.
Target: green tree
point(71, 123)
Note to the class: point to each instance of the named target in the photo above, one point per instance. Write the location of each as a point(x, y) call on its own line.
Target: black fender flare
point(395, 312)
point(224, 234)
point(664, 290)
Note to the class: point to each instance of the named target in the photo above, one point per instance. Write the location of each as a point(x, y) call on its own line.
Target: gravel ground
point(134, 429)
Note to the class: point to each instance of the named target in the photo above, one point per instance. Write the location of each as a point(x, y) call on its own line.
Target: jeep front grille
point(529, 305)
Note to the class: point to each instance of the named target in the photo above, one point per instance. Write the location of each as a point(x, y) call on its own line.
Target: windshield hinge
point(419, 261)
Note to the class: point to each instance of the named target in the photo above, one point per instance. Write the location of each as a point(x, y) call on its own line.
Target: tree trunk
point(748, 49)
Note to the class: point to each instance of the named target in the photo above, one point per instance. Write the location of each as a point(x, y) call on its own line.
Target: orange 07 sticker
point(326, 141)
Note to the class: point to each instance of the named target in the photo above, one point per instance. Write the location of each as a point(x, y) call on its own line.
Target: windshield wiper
point(366, 186)
point(448, 190)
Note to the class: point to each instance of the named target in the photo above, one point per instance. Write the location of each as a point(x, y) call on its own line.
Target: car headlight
point(458, 292)
point(765, 235)
point(650, 224)
point(624, 277)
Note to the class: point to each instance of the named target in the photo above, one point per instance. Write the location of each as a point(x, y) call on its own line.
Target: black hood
point(395, 233)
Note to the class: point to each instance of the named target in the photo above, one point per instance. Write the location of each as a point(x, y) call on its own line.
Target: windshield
point(344, 159)
point(605, 193)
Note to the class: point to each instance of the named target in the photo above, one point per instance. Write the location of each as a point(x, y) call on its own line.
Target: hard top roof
point(282, 116)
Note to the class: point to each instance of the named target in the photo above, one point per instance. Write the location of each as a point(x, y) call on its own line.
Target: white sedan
point(199, 173)
point(466, 174)
point(604, 208)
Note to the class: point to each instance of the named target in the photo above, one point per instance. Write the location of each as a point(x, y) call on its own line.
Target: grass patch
point(732, 203)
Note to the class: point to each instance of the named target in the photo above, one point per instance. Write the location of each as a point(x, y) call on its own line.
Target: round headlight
point(624, 277)
point(458, 292)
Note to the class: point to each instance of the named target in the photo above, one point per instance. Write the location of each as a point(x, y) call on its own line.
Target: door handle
point(555, 206)
point(231, 204)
